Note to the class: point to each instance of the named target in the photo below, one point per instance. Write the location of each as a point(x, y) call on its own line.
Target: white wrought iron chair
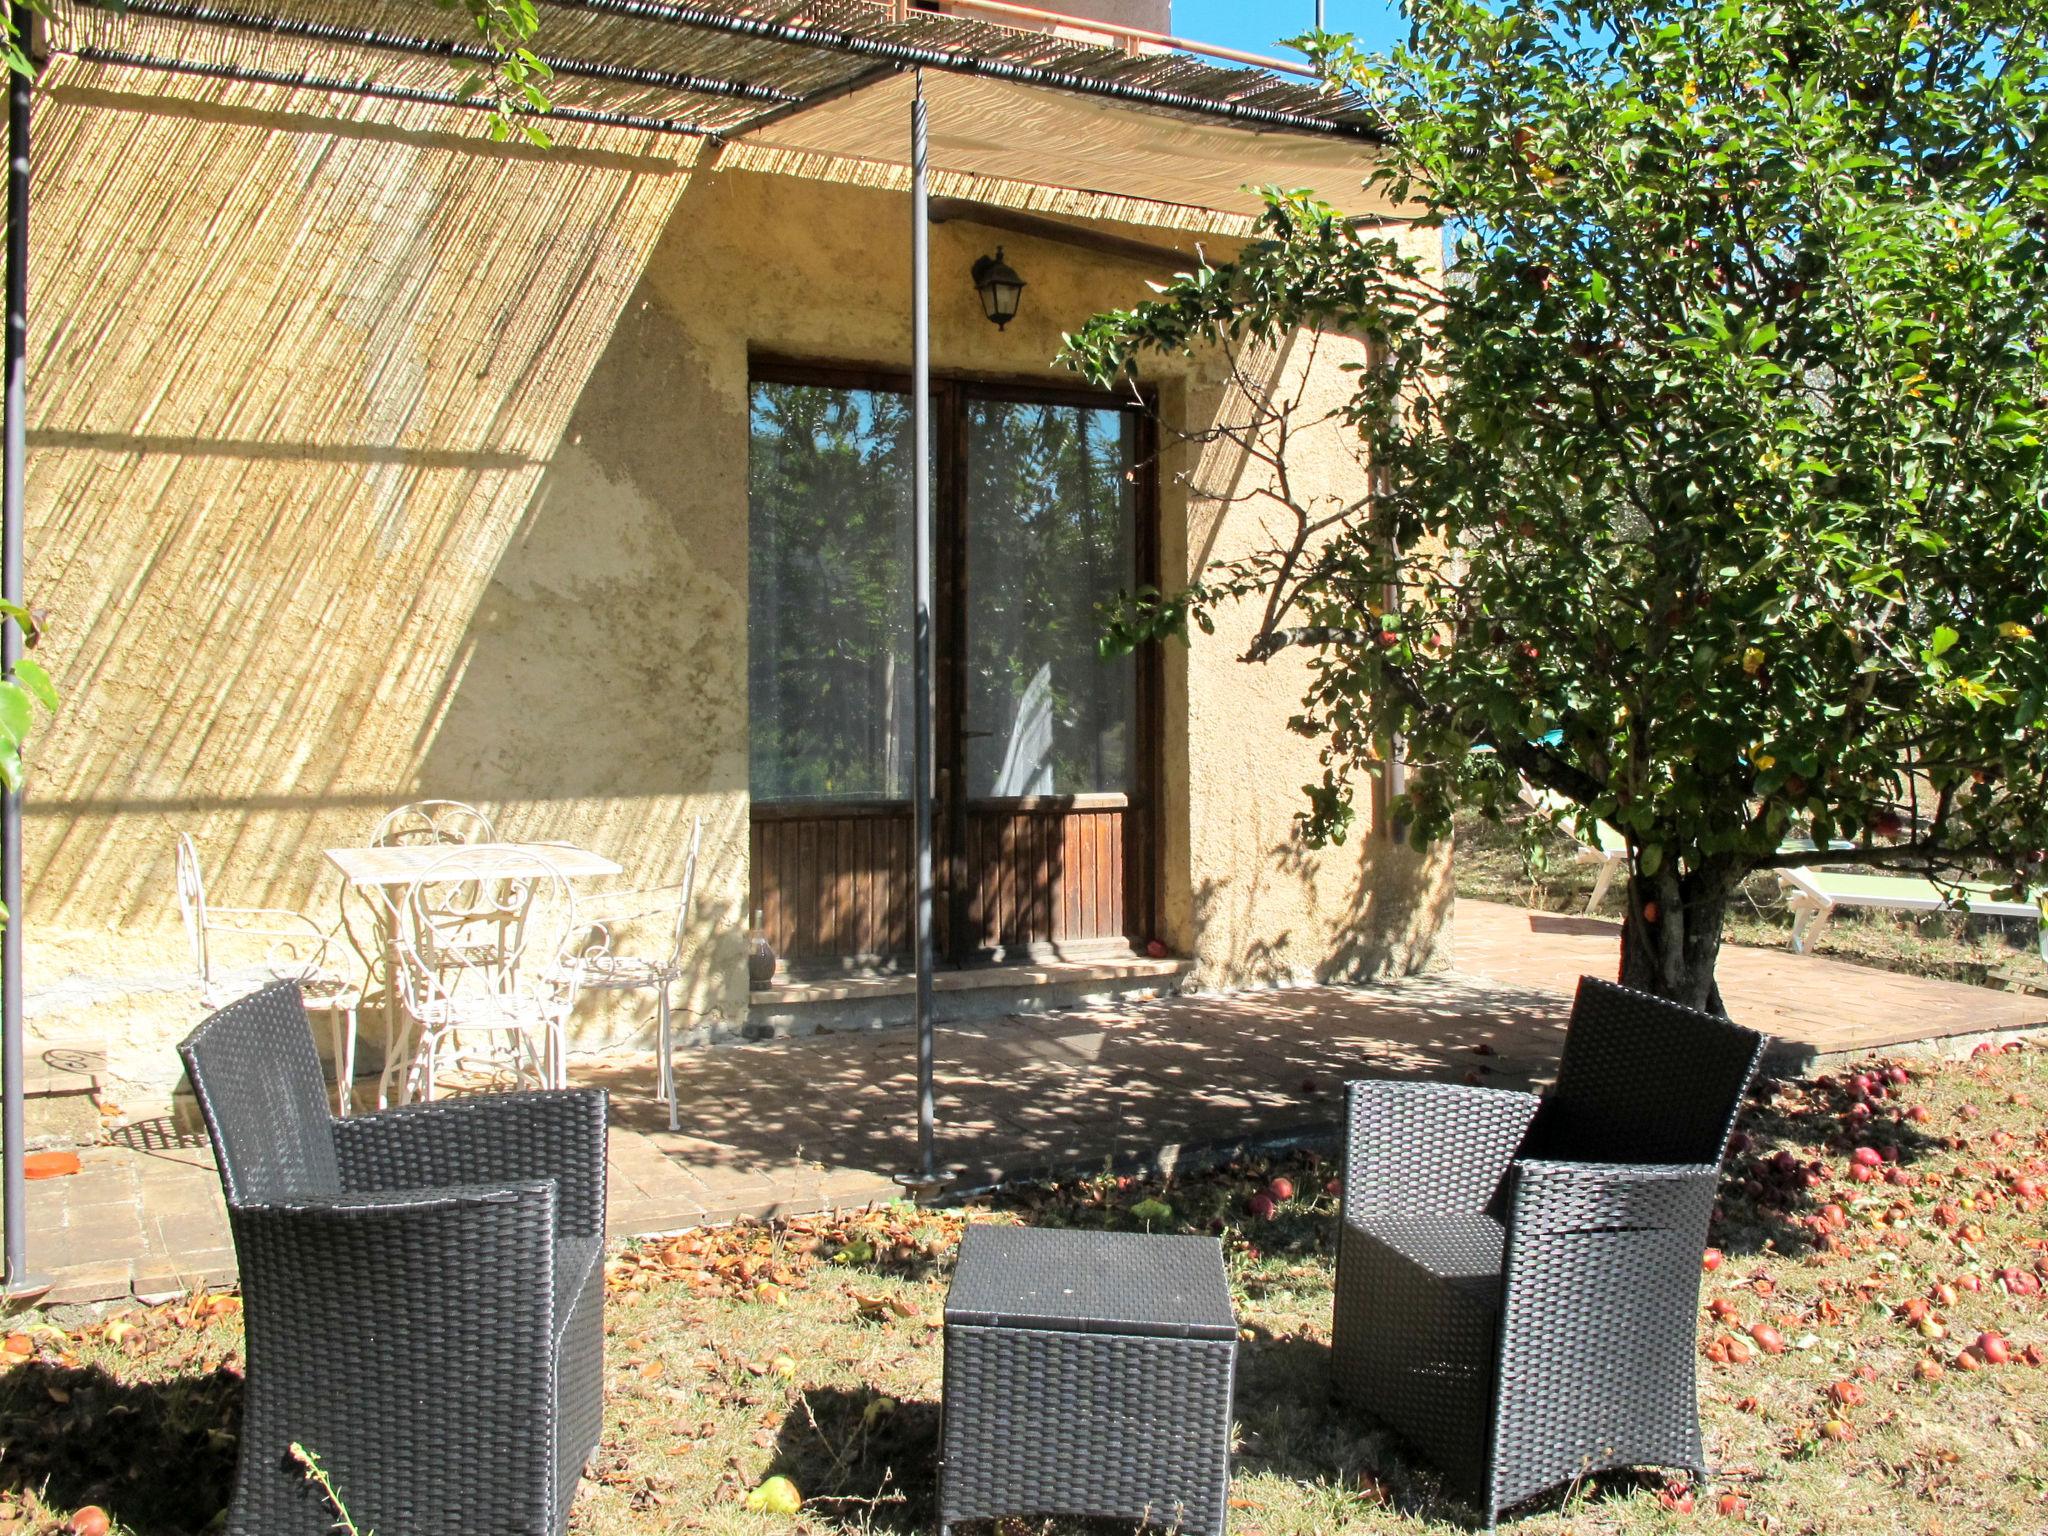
point(489, 953)
point(276, 943)
point(608, 968)
point(433, 821)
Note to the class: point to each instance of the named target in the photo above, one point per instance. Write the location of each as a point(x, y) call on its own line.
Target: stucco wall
point(371, 462)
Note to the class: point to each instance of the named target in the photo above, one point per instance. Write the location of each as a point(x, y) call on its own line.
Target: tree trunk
point(1671, 936)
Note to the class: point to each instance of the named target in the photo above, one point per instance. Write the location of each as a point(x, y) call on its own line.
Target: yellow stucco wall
point(371, 462)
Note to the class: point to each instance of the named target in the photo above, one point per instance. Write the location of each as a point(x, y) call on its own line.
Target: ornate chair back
point(192, 905)
point(674, 962)
point(482, 946)
point(433, 821)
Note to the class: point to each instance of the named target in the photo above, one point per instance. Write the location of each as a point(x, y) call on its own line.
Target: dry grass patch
point(810, 1351)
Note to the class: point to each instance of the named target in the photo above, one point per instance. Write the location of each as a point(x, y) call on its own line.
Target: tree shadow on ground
point(864, 1460)
point(159, 1457)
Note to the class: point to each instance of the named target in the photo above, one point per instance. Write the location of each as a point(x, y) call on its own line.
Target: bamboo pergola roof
point(718, 68)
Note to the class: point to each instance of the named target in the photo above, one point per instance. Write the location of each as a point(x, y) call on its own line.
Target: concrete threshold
point(841, 989)
point(836, 1004)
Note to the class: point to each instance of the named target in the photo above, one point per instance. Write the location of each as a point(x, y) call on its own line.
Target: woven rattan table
point(1087, 1374)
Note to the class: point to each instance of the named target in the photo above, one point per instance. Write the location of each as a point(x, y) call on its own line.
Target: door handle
point(971, 735)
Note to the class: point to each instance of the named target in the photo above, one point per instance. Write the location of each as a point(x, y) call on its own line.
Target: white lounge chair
point(1814, 894)
point(1609, 850)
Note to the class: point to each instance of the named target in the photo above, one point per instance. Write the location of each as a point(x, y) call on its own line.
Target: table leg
point(394, 1030)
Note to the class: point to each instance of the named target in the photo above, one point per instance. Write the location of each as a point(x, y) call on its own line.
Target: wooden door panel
point(832, 883)
point(1048, 874)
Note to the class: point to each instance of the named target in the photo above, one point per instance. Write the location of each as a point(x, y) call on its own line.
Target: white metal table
point(378, 871)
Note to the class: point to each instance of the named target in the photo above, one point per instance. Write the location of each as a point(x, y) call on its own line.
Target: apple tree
point(1708, 493)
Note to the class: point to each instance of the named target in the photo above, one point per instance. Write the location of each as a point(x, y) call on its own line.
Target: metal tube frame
point(13, 504)
point(306, 30)
point(914, 55)
point(927, 1175)
point(243, 74)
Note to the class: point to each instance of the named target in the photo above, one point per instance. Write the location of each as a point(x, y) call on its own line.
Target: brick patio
point(798, 1126)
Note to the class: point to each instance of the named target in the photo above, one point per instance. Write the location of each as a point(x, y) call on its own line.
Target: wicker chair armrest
point(556, 1135)
point(1557, 1197)
point(1428, 1149)
point(1600, 1251)
point(408, 1337)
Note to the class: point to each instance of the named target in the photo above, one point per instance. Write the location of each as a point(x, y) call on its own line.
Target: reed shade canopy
point(1064, 121)
point(801, 83)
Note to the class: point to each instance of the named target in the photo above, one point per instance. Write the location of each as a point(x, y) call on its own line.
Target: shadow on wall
point(272, 497)
point(1389, 924)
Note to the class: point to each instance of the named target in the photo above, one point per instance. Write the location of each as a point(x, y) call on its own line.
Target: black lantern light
point(1000, 288)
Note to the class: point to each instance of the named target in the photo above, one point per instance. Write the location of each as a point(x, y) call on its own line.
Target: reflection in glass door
point(828, 670)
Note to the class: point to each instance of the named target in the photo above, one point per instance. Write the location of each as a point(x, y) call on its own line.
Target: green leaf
point(15, 713)
point(30, 674)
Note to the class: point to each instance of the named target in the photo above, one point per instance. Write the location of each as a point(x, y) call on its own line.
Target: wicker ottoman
point(1087, 1374)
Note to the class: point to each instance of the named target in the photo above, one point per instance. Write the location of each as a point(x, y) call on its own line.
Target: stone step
point(835, 1004)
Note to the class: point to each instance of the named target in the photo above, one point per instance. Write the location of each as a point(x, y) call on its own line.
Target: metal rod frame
point(13, 505)
point(295, 80)
point(921, 633)
point(449, 48)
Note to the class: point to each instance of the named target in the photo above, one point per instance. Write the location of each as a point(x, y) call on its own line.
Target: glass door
point(1048, 728)
point(828, 670)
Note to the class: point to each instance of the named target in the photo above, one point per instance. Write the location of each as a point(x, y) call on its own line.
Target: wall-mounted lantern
point(1001, 289)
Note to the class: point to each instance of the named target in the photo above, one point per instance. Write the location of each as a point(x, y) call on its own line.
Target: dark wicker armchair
point(423, 1289)
point(1518, 1280)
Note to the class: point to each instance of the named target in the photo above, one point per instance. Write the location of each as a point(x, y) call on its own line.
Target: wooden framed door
point(1044, 752)
point(1048, 787)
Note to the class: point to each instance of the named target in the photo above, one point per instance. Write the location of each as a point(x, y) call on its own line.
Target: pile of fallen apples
point(1850, 1190)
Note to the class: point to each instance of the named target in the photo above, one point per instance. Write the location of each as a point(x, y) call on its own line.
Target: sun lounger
point(1609, 850)
point(1814, 894)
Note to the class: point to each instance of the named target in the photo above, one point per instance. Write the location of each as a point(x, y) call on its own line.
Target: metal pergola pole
point(13, 498)
point(927, 1177)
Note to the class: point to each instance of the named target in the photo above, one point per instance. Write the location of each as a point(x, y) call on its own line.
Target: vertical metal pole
point(921, 638)
point(13, 486)
point(1319, 15)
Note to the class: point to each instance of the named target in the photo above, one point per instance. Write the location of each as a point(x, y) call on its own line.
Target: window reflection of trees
point(1050, 512)
point(829, 553)
point(1050, 509)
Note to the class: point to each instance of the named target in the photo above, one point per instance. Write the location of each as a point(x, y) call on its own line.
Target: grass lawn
point(1489, 867)
point(811, 1351)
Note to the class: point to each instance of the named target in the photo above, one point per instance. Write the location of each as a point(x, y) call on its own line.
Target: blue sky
point(1258, 24)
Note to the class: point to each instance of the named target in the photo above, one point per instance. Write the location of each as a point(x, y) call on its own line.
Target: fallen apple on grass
point(776, 1496)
